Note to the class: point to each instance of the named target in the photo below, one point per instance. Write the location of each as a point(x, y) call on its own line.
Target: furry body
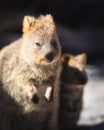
point(27, 67)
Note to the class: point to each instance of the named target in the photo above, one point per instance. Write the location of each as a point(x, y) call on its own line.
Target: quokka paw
point(35, 99)
point(49, 94)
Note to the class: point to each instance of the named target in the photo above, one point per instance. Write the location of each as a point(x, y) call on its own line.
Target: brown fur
point(73, 80)
point(25, 73)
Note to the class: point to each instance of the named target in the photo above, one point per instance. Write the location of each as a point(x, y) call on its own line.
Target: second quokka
point(73, 80)
point(29, 73)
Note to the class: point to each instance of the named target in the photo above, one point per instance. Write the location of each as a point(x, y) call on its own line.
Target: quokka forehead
point(43, 24)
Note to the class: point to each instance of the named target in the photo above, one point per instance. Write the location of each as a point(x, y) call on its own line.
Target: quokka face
point(44, 47)
point(74, 69)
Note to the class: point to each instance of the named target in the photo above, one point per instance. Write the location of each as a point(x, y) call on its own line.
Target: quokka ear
point(49, 17)
point(28, 22)
point(81, 58)
point(78, 62)
point(65, 59)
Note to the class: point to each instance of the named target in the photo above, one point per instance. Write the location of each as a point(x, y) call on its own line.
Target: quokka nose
point(50, 56)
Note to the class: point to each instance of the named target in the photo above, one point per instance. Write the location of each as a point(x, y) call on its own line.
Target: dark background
point(80, 26)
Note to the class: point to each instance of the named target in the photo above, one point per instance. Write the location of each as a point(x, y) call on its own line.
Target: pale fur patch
point(48, 93)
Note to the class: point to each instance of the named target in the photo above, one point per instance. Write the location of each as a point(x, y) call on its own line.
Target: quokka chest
point(42, 85)
point(38, 81)
point(43, 76)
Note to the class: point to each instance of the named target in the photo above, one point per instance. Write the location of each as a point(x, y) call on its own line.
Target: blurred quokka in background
point(29, 76)
point(73, 80)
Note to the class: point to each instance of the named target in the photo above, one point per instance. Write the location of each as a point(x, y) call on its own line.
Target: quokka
point(29, 76)
point(73, 80)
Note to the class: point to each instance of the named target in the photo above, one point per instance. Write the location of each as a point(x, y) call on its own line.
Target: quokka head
point(40, 41)
point(73, 71)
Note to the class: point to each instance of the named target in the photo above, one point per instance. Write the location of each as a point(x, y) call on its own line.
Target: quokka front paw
point(32, 93)
point(35, 99)
point(49, 94)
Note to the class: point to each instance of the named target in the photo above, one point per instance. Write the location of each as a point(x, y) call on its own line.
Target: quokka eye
point(38, 44)
point(54, 44)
